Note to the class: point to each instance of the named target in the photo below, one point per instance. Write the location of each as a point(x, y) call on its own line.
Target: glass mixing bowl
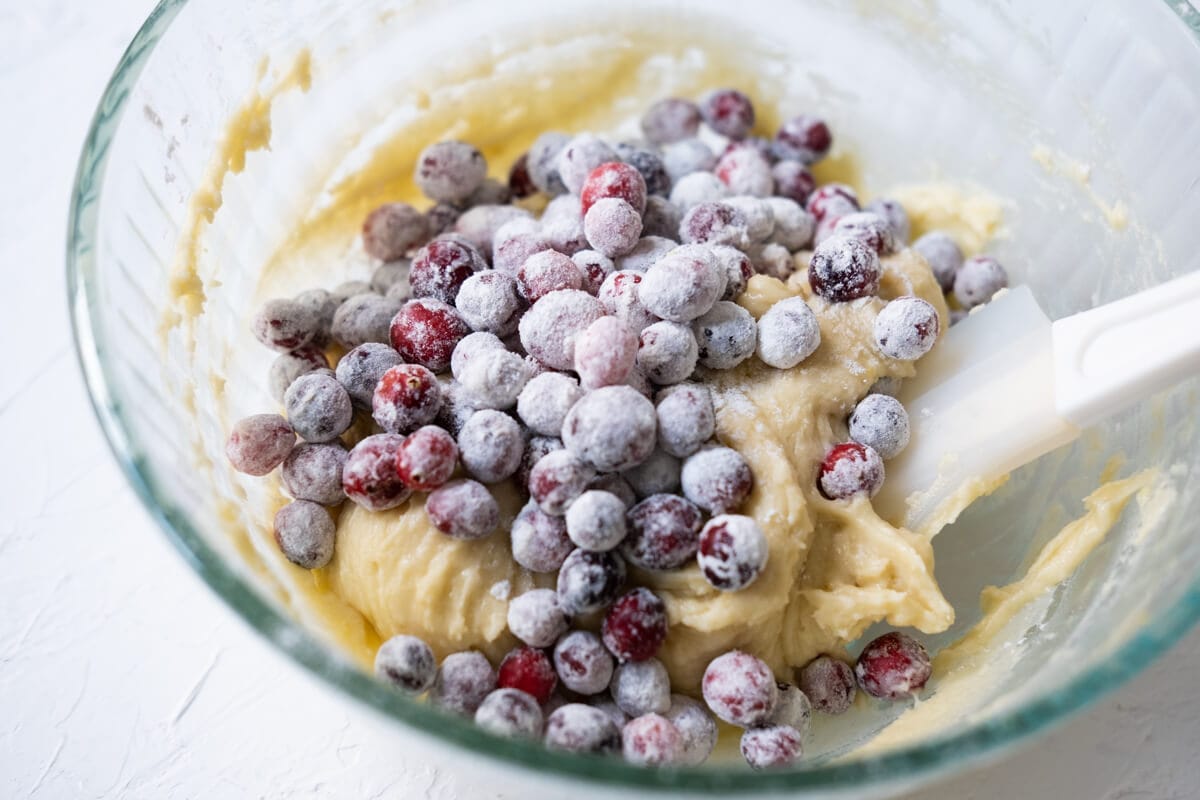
point(1081, 115)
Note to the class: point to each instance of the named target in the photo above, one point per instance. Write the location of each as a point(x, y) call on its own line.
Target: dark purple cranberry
point(528, 670)
point(844, 269)
point(519, 182)
point(440, 268)
point(663, 532)
point(589, 581)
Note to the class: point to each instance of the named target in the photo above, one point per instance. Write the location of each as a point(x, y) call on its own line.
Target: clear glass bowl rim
point(896, 766)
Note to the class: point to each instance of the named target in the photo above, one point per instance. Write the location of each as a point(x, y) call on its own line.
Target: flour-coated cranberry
point(546, 272)
point(726, 335)
point(392, 229)
point(739, 689)
point(360, 369)
point(745, 171)
point(728, 112)
point(595, 268)
point(427, 458)
point(832, 200)
point(647, 251)
point(540, 544)
point(463, 509)
point(490, 192)
point(663, 532)
point(881, 423)
point(635, 626)
point(440, 268)
point(792, 709)
point(588, 581)
point(661, 218)
point(441, 218)
point(651, 740)
point(697, 729)
point(478, 226)
point(579, 157)
point(471, 346)
point(658, 474)
point(318, 408)
point(450, 172)
point(288, 366)
point(612, 428)
point(406, 663)
point(828, 684)
point(286, 324)
point(895, 216)
point(495, 379)
point(489, 301)
point(542, 162)
point(804, 138)
point(683, 285)
point(978, 280)
point(667, 352)
point(604, 353)
point(650, 166)
point(850, 469)
point(732, 552)
point(696, 188)
point(760, 222)
point(557, 479)
point(491, 445)
point(612, 226)
point(515, 242)
point(596, 520)
point(314, 472)
point(259, 443)
point(520, 184)
point(363, 318)
point(715, 223)
point(549, 329)
point(347, 289)
point(614, 484)
point(870, 228)
point(893, 666)
point(510, 713)
point(370, 477)
point(671, 119)
point(642, 687)
point(614, 179)
point(793, 180)
point(772, 747)
point(463, 681)
point(582, 662)
point(906, 328)
point(788, 333)
point(305, 534)
point(619, 296)
point(545, 400)
point(688, 156)
point(844, 269)
point(943, 255)
point(406, 397)
point(535, 618)
point(535, 448)
point(529, 670)
point(425, 332)
point(794, 227)
point(579, 728)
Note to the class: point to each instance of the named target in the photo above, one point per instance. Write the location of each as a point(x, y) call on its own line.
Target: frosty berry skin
point(893, 667)
point(259, 443)
point(407, 663)
point(828, 683)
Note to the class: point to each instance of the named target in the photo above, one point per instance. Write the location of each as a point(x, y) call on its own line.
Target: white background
point(122, 675)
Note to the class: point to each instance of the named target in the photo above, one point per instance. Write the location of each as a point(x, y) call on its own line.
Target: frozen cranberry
point(322, 305)
point(663, 531)
point(612, 226)
point(288, 366)
point(697, 729)
point(579, 157)
point(548, 330)
point(546, 272)
point(641, 687)
point(360, 369)
point(463, 681)
point(471, 346)
point(896, 217)
point(943, 256)
point(760, 221)
point(726, 335)
point(888, 384)
point(441, 218)
point(528, 670)
point(347, 289)
point(788, 333)
point(363, 318)
point(478, 226)
point(595, 268)
point(686, 419)
point(792, 709)
point(611, 709)
point(535, 618)
point(667, 352)
point(662, 218)
point(893, 667)
point(579, 728)
point(867, 227)
point(388, 275)
point(647, 251)
point(850, 469)
point(881, 423)
point(449, 172)
point(520, 184)
point(614, 179)
point(392, 229)
point(406, 397)
point(582, 662)
point(369, 475)
point(540, 544)
point(728, 112)
point(828, 684)
point(489, 301)
point(906, 328)
point(490, 192)
point(844, 269)
point(715, 223)
point(440, 268)
point(683, 285)
point(978, 280)
point(463, 509)
point(545, 400)
point(314, 472)
point(286, 324)
point(596, 520)
point(651, 740)
point(650, 166)
point(688, 156)
point(733, 552)
point(426, 458)
point(635, 626)
point(490, 445)
point(542, 162)
point(588, 581)
point(407, 663)
point(605, 353)
point(535, 448)
point(305, 534)
point(803, 138)
point(318, 408)
point(619, 296)
point(739, 689)
point(612, 428)
point(671, 119)
point(697, 188)
point(793, 226)
point(511, 250)
point(614, 484)
point(772, 747)
point(793, 181)
point(717, 479)
point(425, 332)
point(658, 474)
point(494, 379)
point(832, 200)
point(259, 443)
point(772, 259)
point(746, 172)
point(510, 713)
point(557, 479)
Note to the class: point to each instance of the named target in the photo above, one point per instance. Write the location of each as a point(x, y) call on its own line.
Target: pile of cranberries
point(567, 353)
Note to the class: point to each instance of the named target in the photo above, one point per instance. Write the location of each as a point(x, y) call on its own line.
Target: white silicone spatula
point(1006, 385)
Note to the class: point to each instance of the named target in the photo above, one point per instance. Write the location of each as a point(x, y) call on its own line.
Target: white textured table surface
point(122, 675)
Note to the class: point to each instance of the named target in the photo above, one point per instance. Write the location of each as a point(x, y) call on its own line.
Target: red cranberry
point(663, 531)
point(772, 747)
point(850, 469)
point(391, 230)
point(546, 272)
point(844, 269)
point(463, 509)
point(739, 689)
point(651, 167)
point(614, 179)
point(589, 581)
point(635, 625)
point(519, 182)
point(425, 332)
point(728, 112)
point(732, 552)
point(360, 369)
point(793, 180)
point(671, 119)
point(557, 479)
point(407, 397)
point(583, 664)
point(529, 670)
point(370, 477)
point(828, 683)
point(651, 740)
point(426, 459)
point(803, 138)
point(893, 667)
point(259, 443)
point(440, 268)
point(832, 199)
